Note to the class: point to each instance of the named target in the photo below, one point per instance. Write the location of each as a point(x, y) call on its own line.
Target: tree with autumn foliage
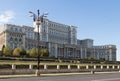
point(44, 53)
point(7, 51)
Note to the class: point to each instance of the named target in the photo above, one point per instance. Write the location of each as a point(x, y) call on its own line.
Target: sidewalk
point(50, 74)
point(42, 75)
point(16, 76)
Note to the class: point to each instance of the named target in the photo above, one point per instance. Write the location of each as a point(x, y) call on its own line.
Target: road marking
point(110, 79)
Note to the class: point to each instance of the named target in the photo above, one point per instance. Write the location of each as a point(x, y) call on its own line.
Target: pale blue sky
point(95, 19)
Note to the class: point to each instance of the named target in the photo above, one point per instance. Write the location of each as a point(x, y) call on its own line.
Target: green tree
point(28, 52)
point(6, 51)
point(22, 51)
point(2, 49)
point(90, 58)
point(44, 53)
point(0, 53)
point(16, 52)
point(33, 52)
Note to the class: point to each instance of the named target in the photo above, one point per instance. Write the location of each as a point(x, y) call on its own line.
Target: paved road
point(85, 77)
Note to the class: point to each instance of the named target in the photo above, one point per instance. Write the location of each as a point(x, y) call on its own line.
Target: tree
point(33, 52)
point(28, 52)
point(90, 59)
point(16, 52)
point(0, 53)
point(2, 49)
point(44, 53)
point(6, 51)
point(22, 51)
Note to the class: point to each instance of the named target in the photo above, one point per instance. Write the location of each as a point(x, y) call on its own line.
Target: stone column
point(68, 53)
point(69, 67)
point(58, 66)
point(45, 67)
point(47, 31)
point(23, 40)
point(113, 67)
point(73, 53)
point(87, 67)
point(81, 53)
point(101, 66)
point(85, 53)
point(56, 52)
point(65, 52)
point(13, 66)
point(107, 67)
point(94, 66)
point(49, 47)
point(118, 67)
point(30, 66)
point(78, 66)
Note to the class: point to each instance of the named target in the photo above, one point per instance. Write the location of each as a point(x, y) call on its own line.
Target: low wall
point(6, 69)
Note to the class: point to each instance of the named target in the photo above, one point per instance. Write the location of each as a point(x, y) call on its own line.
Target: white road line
point(110, 79)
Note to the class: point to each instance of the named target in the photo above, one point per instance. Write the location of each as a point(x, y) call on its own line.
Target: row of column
point(69, 67)
point(67, 52)
point(73, 52)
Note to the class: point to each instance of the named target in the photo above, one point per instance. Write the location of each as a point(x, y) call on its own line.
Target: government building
point(60, 39)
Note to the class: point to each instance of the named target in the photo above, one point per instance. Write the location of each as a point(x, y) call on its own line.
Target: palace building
point(60, 39)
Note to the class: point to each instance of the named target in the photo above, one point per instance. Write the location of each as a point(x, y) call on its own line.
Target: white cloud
point(6, 16)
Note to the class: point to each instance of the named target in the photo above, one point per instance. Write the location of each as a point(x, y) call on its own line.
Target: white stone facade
point(61, 41)
point(58, 33)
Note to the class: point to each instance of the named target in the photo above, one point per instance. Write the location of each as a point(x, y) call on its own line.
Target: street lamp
point(38, 19)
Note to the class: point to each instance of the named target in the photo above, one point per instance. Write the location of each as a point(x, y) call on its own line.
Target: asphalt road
point(85, 77)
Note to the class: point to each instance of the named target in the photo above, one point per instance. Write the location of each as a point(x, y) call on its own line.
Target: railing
point(29, 68)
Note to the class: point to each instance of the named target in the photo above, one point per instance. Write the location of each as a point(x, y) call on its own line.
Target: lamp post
point(38, 19)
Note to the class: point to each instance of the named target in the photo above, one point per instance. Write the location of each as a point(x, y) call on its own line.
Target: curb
point(65, 74)
point(52, 74)
point(16, 76)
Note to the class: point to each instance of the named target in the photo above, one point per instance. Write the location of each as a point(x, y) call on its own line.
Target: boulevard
point(81, 77)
